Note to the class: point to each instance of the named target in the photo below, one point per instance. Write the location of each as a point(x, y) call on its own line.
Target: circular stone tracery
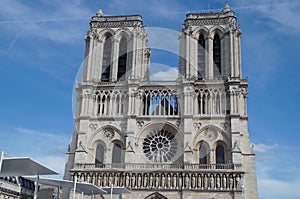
point(160, 146)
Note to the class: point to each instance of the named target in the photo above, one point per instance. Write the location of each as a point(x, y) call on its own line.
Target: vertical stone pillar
point(187, 57)
point(231, 50)
point(210, 58)
point(88, 57)
point(83, 104)
point(223, 52)
point(115, 59)
point(239, 59)
point(193, 57)
point(134, 65)
point(97, 58)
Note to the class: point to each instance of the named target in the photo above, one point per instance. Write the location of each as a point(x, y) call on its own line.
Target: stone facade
point(182, 139)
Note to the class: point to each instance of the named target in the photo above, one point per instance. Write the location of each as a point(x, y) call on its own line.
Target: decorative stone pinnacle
point(227, 7)
point(99, 13)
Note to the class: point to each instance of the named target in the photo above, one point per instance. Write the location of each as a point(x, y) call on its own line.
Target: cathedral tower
point(182, 139)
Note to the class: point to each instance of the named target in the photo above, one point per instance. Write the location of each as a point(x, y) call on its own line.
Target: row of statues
point(165, 180)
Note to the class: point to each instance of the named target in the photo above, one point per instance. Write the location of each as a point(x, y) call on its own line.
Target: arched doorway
point(156, 195)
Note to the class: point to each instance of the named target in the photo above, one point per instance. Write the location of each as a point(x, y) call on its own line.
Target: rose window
point(160, 146)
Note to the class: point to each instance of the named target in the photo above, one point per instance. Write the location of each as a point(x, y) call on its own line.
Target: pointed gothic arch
point(217, 56)
point(156, 195)
point(122, 59)
point(107, 58)
point(204, 152)
point(200, 30)
point(117, 153)
point(201, 56)
point(99, 159)
point(100, 153)
point(220, 152)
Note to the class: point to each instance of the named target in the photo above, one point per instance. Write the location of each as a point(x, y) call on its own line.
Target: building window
point(106, 63)
point(220, 154)
point(99, 154)
point(201, 57)
point(217, 56)
point(160, 146)
point(122, 61)
point(203, 153)
point(117, 154)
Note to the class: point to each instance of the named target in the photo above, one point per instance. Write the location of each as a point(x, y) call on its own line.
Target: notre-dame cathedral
point(186, 138)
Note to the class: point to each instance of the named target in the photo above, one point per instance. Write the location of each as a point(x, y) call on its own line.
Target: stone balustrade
point(167, 180)
point(143, 166)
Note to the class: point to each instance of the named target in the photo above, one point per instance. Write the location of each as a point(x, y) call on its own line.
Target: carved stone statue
point(175, 181)
point(224, 182)
point(99, 180)
point(238, 182)
point(133, 181)
point(110, 179)
point(169, 181)
point(218, 183)
point(151, 181)
point(180, 181)
point(145, 184)
point(199, 183)
point(104, 180)
point(163, 181)
point(205, 182)
point(186, 181)
point(121, 180)
point(139, 179)
point(230, 182)
point(127, 181)
point(212, 182)
point(116, 180)
point(156, 181)
point(193, 183)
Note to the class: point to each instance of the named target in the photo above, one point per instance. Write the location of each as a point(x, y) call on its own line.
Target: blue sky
point(42, 47)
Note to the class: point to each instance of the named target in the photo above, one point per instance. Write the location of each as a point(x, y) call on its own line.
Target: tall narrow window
point(117, 154)
point(220, 155)
point(217, 56)
point(106, 63)
point(201, 57)
point(203, 153)
point(122, 61)
point(99, 154)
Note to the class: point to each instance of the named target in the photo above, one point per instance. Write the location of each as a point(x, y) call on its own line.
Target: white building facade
point(182, 139)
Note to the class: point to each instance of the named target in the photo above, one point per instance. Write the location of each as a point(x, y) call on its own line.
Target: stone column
point(88, 57)
point(210, 58)
point(97, 60)
point(115, 59)
point(187, 58)
point(231, 50)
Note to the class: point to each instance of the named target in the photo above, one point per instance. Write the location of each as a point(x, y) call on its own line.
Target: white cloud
point(44, 147)
point(277, 181)
point(163, 39)
point(284, 13)
point(277, 176)
point(57, 163)
point(29, 142)
point(60, 149)
point(57, 22)
point(263, 148)
point(164, 73)
point(278, 189)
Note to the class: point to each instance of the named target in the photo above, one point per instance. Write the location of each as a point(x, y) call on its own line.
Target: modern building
point(16, 187)
point(164, 139)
